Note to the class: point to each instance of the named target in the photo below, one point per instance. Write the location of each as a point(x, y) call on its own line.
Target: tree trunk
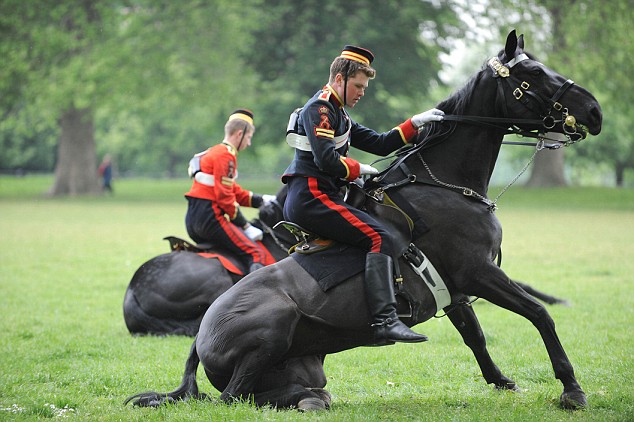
point(76, 167)
point(548, 169)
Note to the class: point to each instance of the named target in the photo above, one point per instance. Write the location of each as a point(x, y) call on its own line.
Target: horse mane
point(457, 102)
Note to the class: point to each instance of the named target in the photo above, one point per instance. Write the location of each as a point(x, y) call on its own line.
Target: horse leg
point(466, 322)
point(293, 383)
point(257, 373)
point(294, 395)
point(496, 287)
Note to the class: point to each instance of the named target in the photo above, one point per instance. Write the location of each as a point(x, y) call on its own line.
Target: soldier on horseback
point(322, 135)
point(214, 200)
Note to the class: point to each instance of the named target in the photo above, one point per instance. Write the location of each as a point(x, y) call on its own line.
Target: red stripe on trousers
point(345, 213)
point(238, 237)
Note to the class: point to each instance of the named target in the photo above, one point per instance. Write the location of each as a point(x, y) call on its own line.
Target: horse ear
point(511, 45)
point(520, 42)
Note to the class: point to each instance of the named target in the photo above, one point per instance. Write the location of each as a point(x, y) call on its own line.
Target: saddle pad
point(226, 262)
point(232, 265)
point(333, 265)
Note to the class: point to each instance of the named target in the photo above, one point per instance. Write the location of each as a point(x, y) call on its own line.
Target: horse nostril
point(597, 119)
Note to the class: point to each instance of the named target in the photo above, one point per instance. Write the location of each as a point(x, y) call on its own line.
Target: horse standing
point(264, 338)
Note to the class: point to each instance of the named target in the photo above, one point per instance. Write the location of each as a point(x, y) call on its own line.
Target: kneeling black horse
point(170, 293)
point(262, 339)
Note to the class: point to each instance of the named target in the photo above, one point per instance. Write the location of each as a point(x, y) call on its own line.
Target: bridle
point(533, 100)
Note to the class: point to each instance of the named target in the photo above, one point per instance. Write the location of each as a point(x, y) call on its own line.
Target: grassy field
point(65, 350)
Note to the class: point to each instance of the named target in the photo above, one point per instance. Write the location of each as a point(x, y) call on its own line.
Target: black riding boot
point(379, 290)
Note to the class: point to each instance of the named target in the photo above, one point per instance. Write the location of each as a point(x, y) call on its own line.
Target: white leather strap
point(301, 142)
point(204, 178)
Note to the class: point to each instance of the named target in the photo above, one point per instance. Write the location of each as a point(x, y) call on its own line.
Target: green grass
point(65, 265)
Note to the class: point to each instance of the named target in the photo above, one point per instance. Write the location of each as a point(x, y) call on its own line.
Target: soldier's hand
point(253, 233)
point(267, 199)
point(433, 115)
point(367, 169)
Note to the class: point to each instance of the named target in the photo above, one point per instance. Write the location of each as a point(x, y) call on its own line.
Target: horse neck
point(467, 156)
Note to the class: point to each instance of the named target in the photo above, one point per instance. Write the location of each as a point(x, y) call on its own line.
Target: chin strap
point(244, 131)
point(345, 82)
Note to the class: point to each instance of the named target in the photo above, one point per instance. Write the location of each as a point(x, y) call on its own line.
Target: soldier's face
point(355, 89)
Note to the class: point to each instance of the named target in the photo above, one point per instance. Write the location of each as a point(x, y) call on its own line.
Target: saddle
point(206, 250)
point(178, 244)
point(399, 224)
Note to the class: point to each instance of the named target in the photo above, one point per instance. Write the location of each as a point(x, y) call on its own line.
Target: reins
point(511, 127)
point(412, 178)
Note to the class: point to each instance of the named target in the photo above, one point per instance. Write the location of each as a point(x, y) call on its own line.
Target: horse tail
point(544, 297)
point(188, 388)
point(139, 322)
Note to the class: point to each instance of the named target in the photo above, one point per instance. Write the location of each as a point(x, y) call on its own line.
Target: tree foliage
point(602, 54)
point(589, 41)
point(155, 79)
point(298, 40)
point(159, 77)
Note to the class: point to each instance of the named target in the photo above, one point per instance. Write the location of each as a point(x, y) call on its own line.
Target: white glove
point(367, 169)
point(433, 115)
point(267, 199)
point(253, 233)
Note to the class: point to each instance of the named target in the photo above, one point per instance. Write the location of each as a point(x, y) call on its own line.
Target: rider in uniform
point(321, 166)
point(214, 200)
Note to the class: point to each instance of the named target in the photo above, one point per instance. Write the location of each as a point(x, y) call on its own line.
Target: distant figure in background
point(105, 171)
point(214, 200)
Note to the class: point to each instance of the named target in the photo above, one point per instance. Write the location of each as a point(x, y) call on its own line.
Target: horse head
point(511, 94)
point(531, 90)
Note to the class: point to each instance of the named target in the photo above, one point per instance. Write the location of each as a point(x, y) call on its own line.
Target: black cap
point(357, 54)
point(243, 114)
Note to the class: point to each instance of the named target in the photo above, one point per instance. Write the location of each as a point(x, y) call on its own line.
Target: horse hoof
point(323, 395)
point(574, 400)
point(310, 404)
point(505, 383)
point(510, 386)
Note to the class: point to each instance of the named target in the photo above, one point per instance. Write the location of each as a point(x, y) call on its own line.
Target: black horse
point(170, 293)
point(264, 338)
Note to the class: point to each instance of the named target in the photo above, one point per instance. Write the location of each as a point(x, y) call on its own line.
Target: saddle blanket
point(232, 264)
point(333, 265)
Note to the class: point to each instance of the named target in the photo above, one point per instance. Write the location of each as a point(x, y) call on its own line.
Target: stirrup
point(308, 242)
point(301, 234)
